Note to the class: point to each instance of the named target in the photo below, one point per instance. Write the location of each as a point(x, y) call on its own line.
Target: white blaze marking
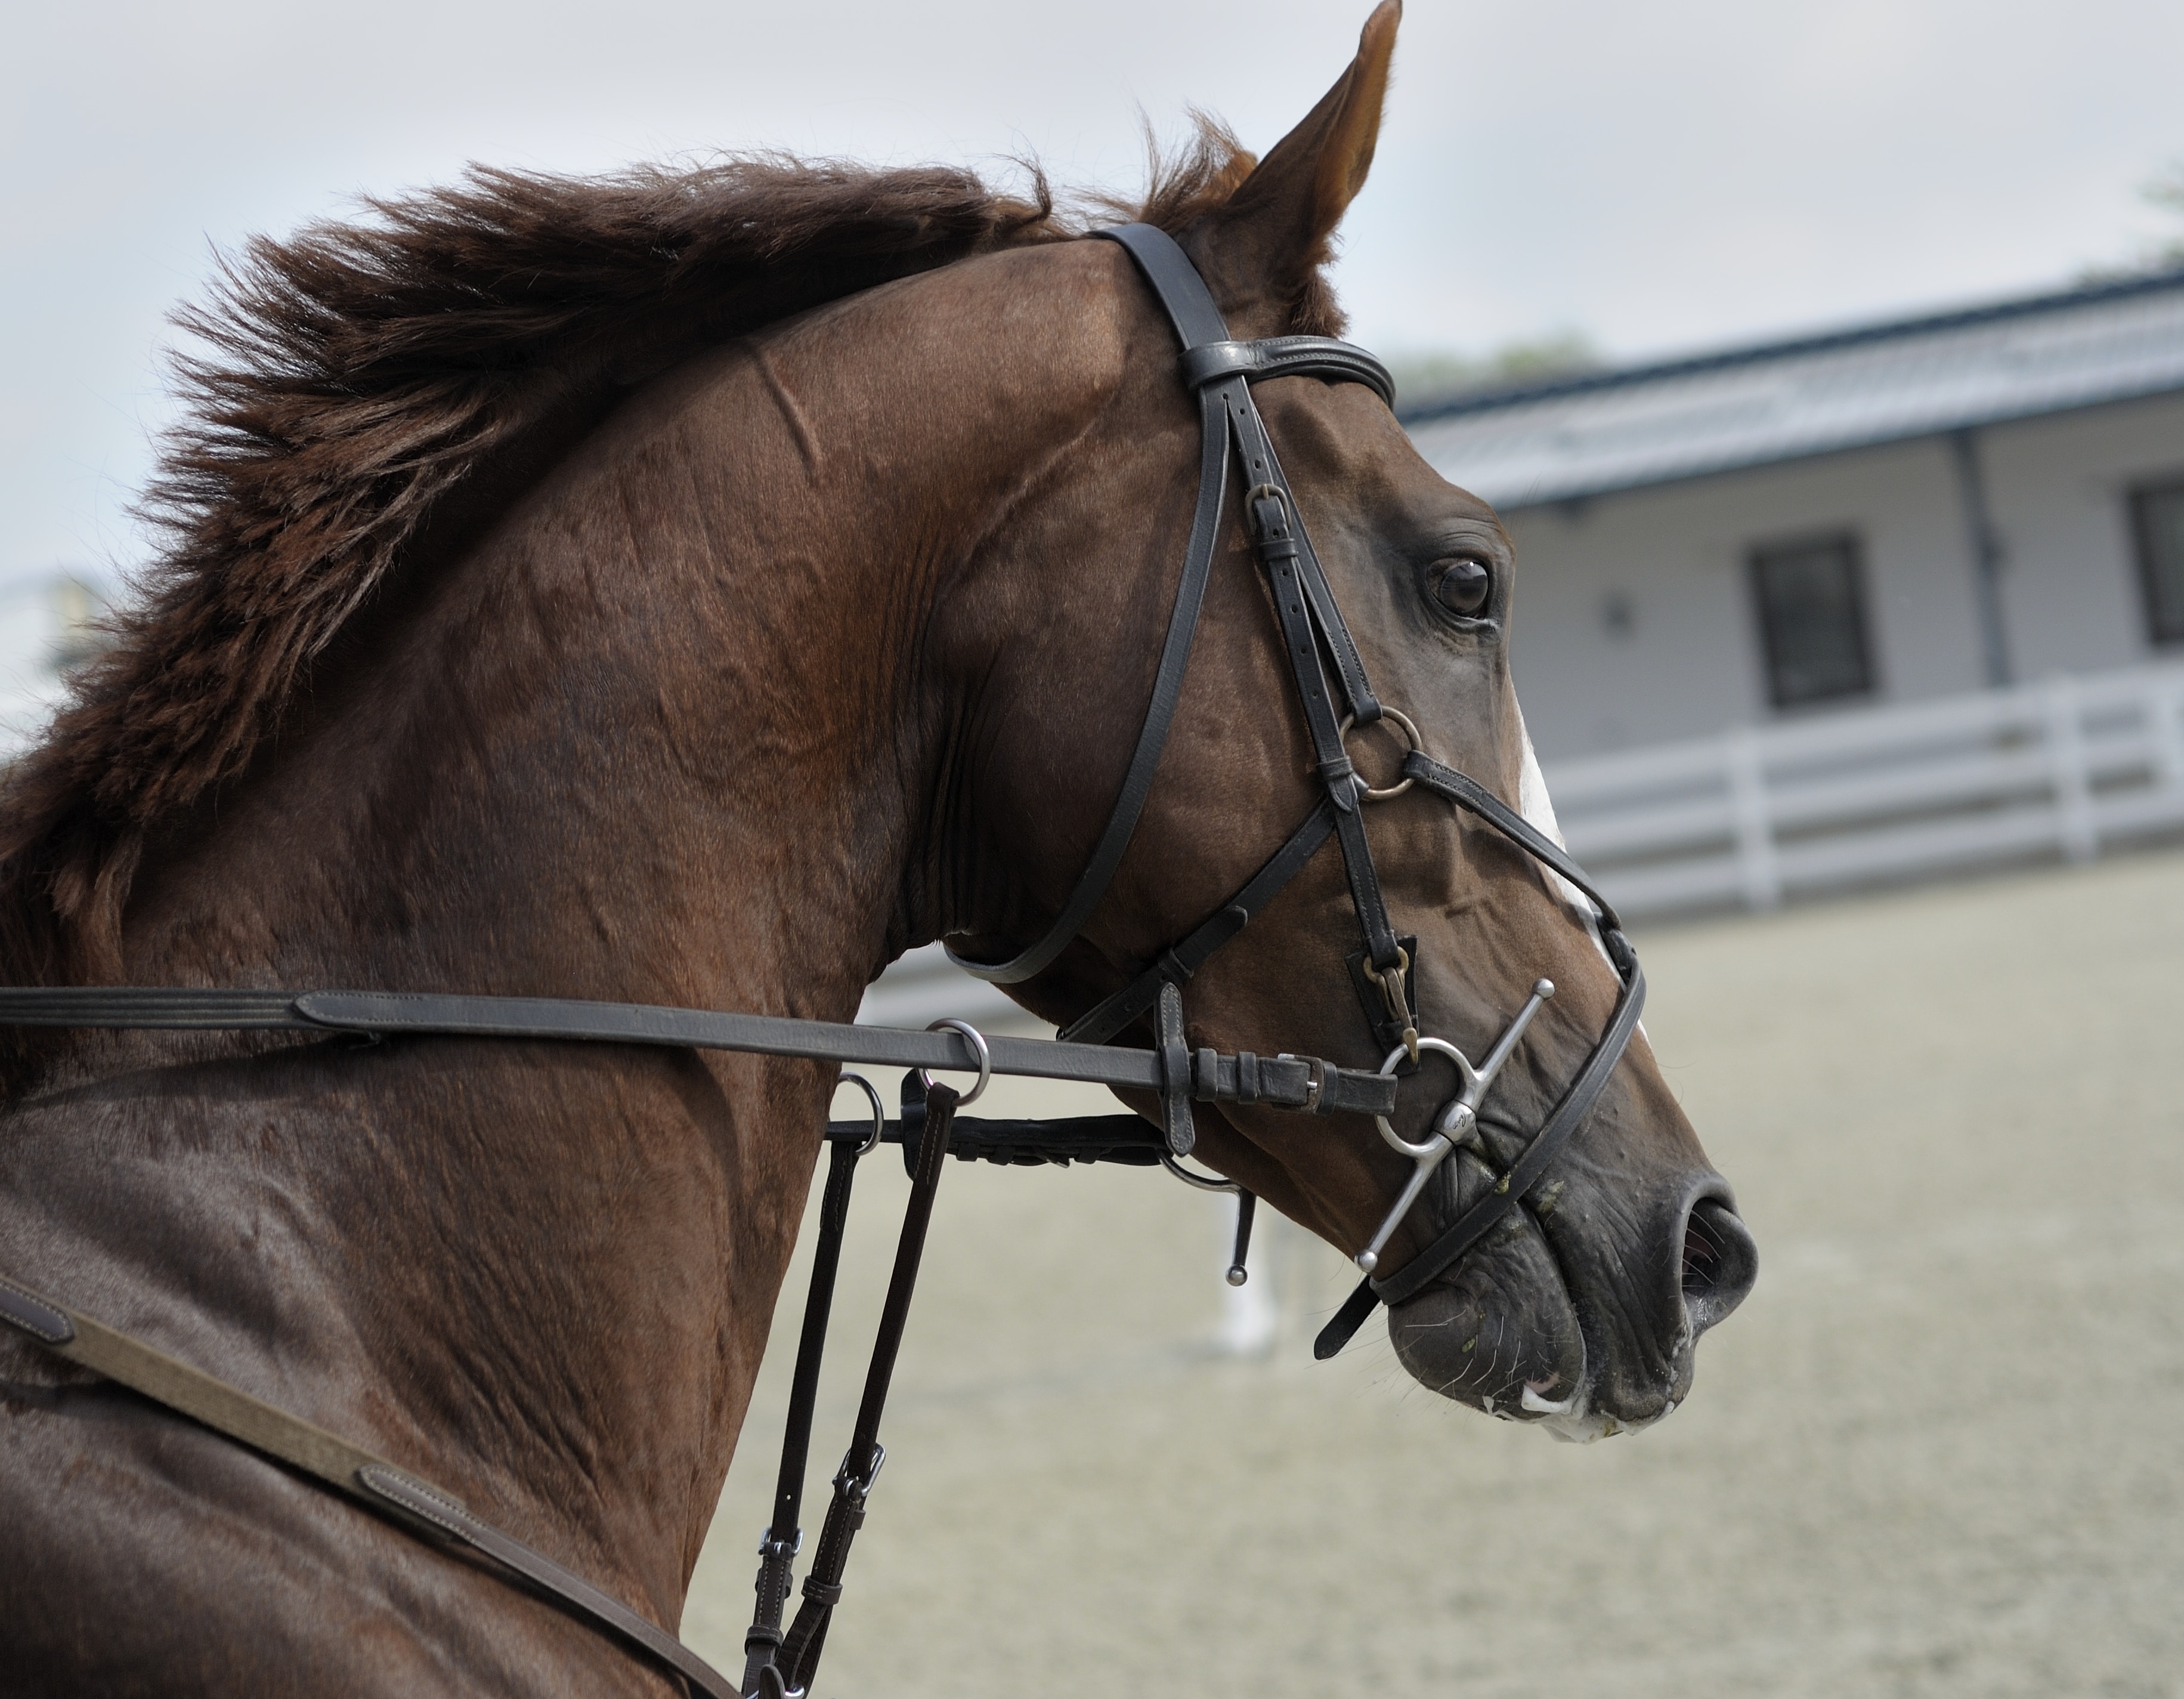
point(1533, 802)
point(1538, 809)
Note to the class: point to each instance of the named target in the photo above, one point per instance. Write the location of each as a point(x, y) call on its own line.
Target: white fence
point(2063, 767)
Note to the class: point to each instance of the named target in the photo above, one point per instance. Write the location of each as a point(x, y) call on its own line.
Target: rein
point(781, 1664)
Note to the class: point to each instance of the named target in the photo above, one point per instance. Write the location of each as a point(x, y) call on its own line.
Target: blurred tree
point(2167, 193)
point(1441, 376)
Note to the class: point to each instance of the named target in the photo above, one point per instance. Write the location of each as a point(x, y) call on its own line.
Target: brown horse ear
point(1266, 246)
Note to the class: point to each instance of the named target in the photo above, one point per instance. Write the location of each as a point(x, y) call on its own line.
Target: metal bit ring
point(1439, 1046)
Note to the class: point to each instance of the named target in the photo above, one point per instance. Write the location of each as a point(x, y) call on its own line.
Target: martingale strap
point(416, 1507)
point(799, 1660)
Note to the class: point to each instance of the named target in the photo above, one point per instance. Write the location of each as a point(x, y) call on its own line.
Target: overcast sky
point(1680, 174)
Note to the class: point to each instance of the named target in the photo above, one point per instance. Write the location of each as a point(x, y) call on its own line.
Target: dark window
point(2157, 519)
point(1811, 598)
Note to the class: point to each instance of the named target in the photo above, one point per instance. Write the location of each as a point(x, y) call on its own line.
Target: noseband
point(1220, 373)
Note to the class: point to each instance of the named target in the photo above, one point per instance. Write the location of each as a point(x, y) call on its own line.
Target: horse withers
point(696, 589)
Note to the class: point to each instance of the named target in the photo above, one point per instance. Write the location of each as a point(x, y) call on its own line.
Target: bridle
point(1334, 695)
point(1317, 643)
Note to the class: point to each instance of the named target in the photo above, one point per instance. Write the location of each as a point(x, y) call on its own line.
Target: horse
point(697, 587)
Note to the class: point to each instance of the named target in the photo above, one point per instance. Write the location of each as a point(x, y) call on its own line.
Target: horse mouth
point(1498, 1332)
point(1507, 1331)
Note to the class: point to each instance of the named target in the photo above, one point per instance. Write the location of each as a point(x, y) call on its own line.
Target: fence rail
point(2064, 768)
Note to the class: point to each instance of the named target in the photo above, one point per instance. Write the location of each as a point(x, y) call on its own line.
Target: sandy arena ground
point(1939, 1452)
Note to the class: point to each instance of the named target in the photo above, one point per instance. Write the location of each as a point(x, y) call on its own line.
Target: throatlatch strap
point(415, 1506)
point(860, 1464)
point(1152, 734)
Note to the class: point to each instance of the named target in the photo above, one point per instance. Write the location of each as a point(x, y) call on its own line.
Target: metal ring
point(1401, 1053)
point(879, 1110)
point(978, 1044)
point(1411, 731)
point(1204, 1183)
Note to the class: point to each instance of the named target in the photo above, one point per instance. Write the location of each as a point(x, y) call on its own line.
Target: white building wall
point(1689, 662)
point(2059, 488)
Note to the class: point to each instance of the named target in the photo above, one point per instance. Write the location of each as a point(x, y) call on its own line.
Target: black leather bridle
point(1220, 371)
point(1318, 643)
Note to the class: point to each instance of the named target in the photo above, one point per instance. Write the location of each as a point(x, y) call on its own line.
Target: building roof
point(1676, 419)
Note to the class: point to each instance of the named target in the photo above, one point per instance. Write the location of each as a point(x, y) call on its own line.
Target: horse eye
point(1461, 585)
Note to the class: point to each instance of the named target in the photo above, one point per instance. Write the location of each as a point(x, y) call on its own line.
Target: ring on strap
point(879, 1109)
point(978, 1043)
point(1204, 1183)
point(1389, 794)
point(1465, 1072)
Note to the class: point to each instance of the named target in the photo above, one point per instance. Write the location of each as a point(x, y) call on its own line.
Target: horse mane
point(354, 378)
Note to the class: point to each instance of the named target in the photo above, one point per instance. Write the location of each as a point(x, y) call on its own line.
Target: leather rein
point(781, 1664)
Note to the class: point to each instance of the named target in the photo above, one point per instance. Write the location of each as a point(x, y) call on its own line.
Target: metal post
point(2079, 832)
point(1986, 543)
point(1756, 866)
point(2165, 724)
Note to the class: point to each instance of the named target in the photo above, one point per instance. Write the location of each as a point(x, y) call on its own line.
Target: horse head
point(1579, 1308)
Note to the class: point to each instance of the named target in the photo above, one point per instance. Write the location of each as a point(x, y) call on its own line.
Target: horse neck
point(658, 737)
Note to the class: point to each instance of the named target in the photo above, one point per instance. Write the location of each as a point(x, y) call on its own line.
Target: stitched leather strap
point(861, 1465)
point(1152, 734)
point(1287, 356)
point(1287, 1084)
point(1129, 1139)
point(784, 1535)
point(1220, 371)
point(1177, 1081)
point(409, 1502)
point(1411, 1279)
point(1176, 964)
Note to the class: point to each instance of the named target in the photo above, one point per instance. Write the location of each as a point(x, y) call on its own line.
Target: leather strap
point(1129, 1139)
point(1411, 1279)
point(1466, 792)
point(784, 1536)
point(411, 1504)
point(1177, 1072)
point(1176, 965)
point(1220, 371)
point(1287, 356)
point(860, 1464)
point(1152, 734)
point(1288, 1084)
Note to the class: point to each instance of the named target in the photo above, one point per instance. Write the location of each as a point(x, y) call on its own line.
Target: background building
point(1885, 514)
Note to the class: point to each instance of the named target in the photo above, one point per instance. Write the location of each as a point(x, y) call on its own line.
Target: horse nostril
point(1719, 1263)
